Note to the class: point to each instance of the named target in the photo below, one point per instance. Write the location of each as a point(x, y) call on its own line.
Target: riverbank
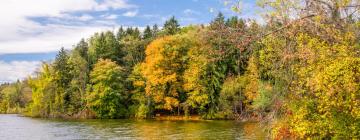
point(88, 114)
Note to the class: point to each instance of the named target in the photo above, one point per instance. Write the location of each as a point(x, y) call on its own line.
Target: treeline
point(300, 72)
point(129, 73)
point(14, 97)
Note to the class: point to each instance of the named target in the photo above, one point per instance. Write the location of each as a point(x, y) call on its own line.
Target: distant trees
point(12, 98)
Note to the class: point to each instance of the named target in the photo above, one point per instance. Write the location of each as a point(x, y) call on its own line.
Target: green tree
point(78, 61)
point(235, 22)
point(219, 19)
point(232, 97)
point(171, 26)
point(155, 30)
point(82, 49)
point(134, 50)
point(107, 96)
point(105, 46)
point(148, 33)
point(62, 80)
point(142, 103)
point(120, 33)
point(136, 33)
point(227, 56)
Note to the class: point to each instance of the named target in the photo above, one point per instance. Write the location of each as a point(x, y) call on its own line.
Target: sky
point(32, 31)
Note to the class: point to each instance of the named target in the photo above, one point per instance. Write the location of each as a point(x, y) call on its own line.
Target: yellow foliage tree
point(43, 93)
point(164, 66)
point(252, 88)
point(325, 90)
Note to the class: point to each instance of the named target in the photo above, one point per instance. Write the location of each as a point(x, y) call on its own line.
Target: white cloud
point(17, 12)
point(211, 10)
point(68, 18)
point(14, 70)
point(150, 16)
point(52, 38)
point(112, 16)
point(189, 20)
point(130, 13)
point(191, 12)
point(86, 17)
point(115, 4)
point(20, 34)
point(56, 7)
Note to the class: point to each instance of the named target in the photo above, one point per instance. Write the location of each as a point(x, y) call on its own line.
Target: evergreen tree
point(62, 80)
point(136, 34)
point(155, 30)
point(80, 73)
point(171, 26)
point(235, 22)
point(105, 46)
point(219, 19)
point(62, 68)
point(148, 33)
point(120, 34)
point(129, 31)
point(82, 48)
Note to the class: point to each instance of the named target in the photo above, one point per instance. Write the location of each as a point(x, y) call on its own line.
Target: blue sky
point(34, 30)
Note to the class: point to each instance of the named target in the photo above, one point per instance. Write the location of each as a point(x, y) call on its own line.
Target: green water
point(13, 127)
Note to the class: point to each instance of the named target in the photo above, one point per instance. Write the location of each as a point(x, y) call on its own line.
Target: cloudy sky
point(32, 31)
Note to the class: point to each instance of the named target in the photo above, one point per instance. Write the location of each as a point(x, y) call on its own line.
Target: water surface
point(13, 127)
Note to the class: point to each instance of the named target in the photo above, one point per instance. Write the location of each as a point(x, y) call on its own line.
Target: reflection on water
point(15, 127)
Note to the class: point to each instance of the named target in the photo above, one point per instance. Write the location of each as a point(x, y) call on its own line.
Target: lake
point(14, 127)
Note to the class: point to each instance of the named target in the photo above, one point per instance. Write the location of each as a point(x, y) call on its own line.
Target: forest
point(298, 72)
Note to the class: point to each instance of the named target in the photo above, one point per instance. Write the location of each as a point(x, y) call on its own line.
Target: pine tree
point(220, 19)
point(147, 33)
point(155, 30)
point(62, 80)
point(120, 34)
point(82, 48)
point(171, 26)
point(62, 68)
point(105, 46)
point(136, 33)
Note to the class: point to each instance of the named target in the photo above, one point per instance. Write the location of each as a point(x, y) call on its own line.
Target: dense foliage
point(299, 72)
point(106, 95)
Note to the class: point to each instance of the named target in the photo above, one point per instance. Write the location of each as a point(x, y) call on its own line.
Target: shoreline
point(158, 118)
